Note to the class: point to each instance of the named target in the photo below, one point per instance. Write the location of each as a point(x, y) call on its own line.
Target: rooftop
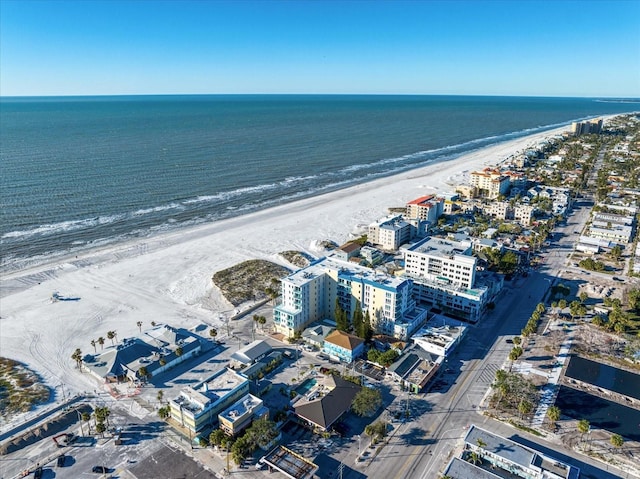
point(421, 200)
point(344, 340)
point(290, 464)
point(518, 454)
point(196, 399)
point(329, 400)
point(252, 352)
point(500, 446)
point(441, 247)
point(461, 469)
point(240, 408)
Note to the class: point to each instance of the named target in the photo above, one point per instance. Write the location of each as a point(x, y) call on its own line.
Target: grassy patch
point(20, 388)
point(248, 280)
point(526, 428)
point(297, 258)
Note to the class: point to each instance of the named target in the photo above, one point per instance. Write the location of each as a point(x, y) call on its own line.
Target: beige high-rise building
point(490, 183)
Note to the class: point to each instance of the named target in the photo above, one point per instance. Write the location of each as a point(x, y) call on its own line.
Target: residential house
point(343, 346)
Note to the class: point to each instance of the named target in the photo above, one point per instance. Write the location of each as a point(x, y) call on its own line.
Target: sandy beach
point(167, 278)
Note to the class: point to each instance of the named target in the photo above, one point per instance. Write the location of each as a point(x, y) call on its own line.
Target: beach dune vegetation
point(20, 388)
point(247, 281)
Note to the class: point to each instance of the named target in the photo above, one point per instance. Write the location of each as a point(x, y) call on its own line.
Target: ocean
point(80, 172)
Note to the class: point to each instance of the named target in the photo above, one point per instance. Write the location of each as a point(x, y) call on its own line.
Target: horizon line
point(604, 97)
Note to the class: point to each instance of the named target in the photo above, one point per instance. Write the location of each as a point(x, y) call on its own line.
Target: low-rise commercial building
point(251, 353)
point(198, 407)
point(414, 369)
point(323, 405)
point(499, 454)
point(440, 335)
point(152, 352)
point(241, 414)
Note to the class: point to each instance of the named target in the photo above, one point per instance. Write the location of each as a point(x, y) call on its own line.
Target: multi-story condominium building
point(371, 255)
point(444, 260)
point(427, 208)
point(241, 414)
point(343, 346)
point(304, 298)
point(310, 295)
point(444, 278)
point(490, 182)
point(586, 127)
point(390, 232)
point(455, 301)
point(497, 209)
point(503, 210)
point(516, 179)
point(523, 214)
point(199, 406)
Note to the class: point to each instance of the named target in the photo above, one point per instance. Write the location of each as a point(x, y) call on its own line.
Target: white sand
point(167, 278)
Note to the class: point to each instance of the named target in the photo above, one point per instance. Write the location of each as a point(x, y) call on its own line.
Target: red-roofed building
point(427, 208)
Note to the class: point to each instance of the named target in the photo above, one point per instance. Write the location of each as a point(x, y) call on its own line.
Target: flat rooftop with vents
point(292, 465)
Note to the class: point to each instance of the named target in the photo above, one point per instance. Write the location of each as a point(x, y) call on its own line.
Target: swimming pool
point(305, 386)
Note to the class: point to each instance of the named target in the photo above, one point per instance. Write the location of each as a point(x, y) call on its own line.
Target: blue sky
point(550, 48)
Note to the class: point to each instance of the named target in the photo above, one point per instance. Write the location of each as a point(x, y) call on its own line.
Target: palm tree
point(143, 373)
point(213, 332)
point(111, 335)
point(77, 357)
point(481, 444)
point(617, 440)
point(553, 413)
point(160, 395)
point(525, 407)
point(101, 342)
point(93, 343)
point(474, 458)
point(583, 428)
point(262, 321)
point(139, 323)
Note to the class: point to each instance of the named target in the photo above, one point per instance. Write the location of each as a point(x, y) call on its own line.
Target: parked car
point(61, 460)
point(37, 474)
point(322, 356)
point(100, 469)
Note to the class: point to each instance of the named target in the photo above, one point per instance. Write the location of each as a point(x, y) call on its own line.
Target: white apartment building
point(443, 260)
point(310, 294)
point(444, 278)
point(490, 182)
point(619, 234)
point(390, 232)
point(523, 214)
point(455, 301)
